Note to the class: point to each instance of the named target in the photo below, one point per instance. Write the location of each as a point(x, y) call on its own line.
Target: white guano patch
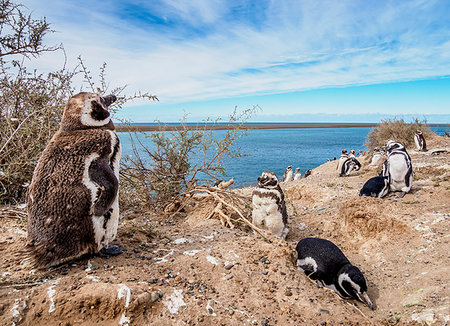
point(181, 241)
point(51, 296)
point(164, 258)
point(124, 291)
point(191, 252)
point(175, 301)
point(212, 260)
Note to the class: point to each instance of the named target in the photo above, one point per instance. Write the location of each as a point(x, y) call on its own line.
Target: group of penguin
point(73, 205)
point(320, 259)
point(395, 172)
point(289, 175)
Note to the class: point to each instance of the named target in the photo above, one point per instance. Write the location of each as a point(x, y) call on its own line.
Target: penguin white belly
point(398, 168)
point(265, 214)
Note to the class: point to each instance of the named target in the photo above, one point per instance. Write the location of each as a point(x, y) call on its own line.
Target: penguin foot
point(401, 195)
point(113, 250)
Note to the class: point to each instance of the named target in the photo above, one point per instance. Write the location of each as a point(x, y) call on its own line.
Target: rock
point(287, 293)
point(229, 266)
point(154, 296)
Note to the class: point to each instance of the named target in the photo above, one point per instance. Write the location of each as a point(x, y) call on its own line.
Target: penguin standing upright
point(73, 206)
point(287, 176)
point(269, 208)
point(419, 139)
point(325, 263)
point(341, 160)
point(297, 174)
point(398, 168)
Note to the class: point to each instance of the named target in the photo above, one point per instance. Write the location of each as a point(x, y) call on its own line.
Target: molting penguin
point(269, 209)
point(377, 155)
point(325, 263)
point(342, 159)
point(398, 168)
point(350, 164)
point(375, 187)
point(73, 206)
point(297, 174)
point(421, 144)
point(287, 176)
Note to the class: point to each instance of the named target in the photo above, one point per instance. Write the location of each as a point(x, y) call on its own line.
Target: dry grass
point(397, 130)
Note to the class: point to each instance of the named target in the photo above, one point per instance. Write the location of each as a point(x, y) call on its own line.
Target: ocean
point(275, 149)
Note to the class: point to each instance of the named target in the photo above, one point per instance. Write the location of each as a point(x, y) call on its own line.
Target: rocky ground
point(188, 270)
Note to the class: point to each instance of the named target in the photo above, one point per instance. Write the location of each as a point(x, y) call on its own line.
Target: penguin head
point(87, 111)
point(419, 132)
point(353, 283)
point(289, 167)
point(297, 170)
point(393, 145)
point(344, 151)
point(268, 179)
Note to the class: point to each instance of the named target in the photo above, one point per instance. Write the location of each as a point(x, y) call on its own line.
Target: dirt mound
point(367, 217)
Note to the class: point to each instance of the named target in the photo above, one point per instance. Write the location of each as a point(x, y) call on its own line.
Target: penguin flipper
point(103, 176)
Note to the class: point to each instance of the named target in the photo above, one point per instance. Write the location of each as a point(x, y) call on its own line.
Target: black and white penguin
point(377, 156)
point(287, 176)
point(269, 208)
point(375, 187)
point(350, 164)
point(398, 168)
point(342, 158)
point(297, 174)
point(352, 153)
point(73, 206)
point(324, 262)
point(307, 173)
point(421, 144)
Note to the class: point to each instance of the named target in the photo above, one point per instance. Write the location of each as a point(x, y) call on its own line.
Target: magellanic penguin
point(73, 206)
point(350, 164)
point(419, 139)
point(341, 160)
point(375, 187)
point(269, 208)
point(307, 173)
point(398, 168)
point(287, 176)
point(324, 262)
point(297, 174)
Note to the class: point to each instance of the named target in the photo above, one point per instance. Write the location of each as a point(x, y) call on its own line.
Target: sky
point(298, 61)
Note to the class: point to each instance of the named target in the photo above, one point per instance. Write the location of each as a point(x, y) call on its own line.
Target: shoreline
point(173, 127)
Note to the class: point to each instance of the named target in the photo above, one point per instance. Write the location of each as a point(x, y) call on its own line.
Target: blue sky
point(356, 61)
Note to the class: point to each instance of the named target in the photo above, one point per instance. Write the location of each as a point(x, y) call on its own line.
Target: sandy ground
point(190, 271)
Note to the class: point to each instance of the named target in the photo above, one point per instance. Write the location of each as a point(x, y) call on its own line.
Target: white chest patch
point(307, 262)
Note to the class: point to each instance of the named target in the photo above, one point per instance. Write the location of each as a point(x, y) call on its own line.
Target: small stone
point(38, 314)
point(324, 311)
point(136, 250)
point(231, 312)
point(154, 296)
point(288, 293)
point(152, 280)
point(229, 266)
point(265, 272)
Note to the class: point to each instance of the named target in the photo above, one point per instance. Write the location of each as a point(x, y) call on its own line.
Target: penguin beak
point(365, 298)
point(108, 100)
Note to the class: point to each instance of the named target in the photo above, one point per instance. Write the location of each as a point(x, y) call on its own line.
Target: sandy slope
point(192, 271)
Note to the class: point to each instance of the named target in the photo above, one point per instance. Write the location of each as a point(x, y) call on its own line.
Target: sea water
point(275, 149)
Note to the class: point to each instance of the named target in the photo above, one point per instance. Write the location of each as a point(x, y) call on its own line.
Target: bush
point(398, 130)
point(159, 176)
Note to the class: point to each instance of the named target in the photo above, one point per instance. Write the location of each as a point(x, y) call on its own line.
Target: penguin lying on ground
point(325, 263)
point(375, 187)
point(350, 164)
point(307, 173)
point(398, 168)
point(73, 206)
point(269, 209)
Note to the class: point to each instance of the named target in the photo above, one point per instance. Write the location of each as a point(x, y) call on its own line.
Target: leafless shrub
point(397, 130)
point(162, 173)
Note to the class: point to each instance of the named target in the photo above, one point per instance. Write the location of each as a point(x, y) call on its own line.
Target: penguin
point(73, 207)
point(352, 153)
point(287, 176)
point(350, 164)
point(324, 262)
point(269, 208)
point(307, 173)
point(375, 187)
point(297, 174)
point(341, 160)
point(377, 155)
point(421, 144)
point(398, 168)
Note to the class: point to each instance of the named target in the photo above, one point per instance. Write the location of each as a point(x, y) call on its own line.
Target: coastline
point(172, 127)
